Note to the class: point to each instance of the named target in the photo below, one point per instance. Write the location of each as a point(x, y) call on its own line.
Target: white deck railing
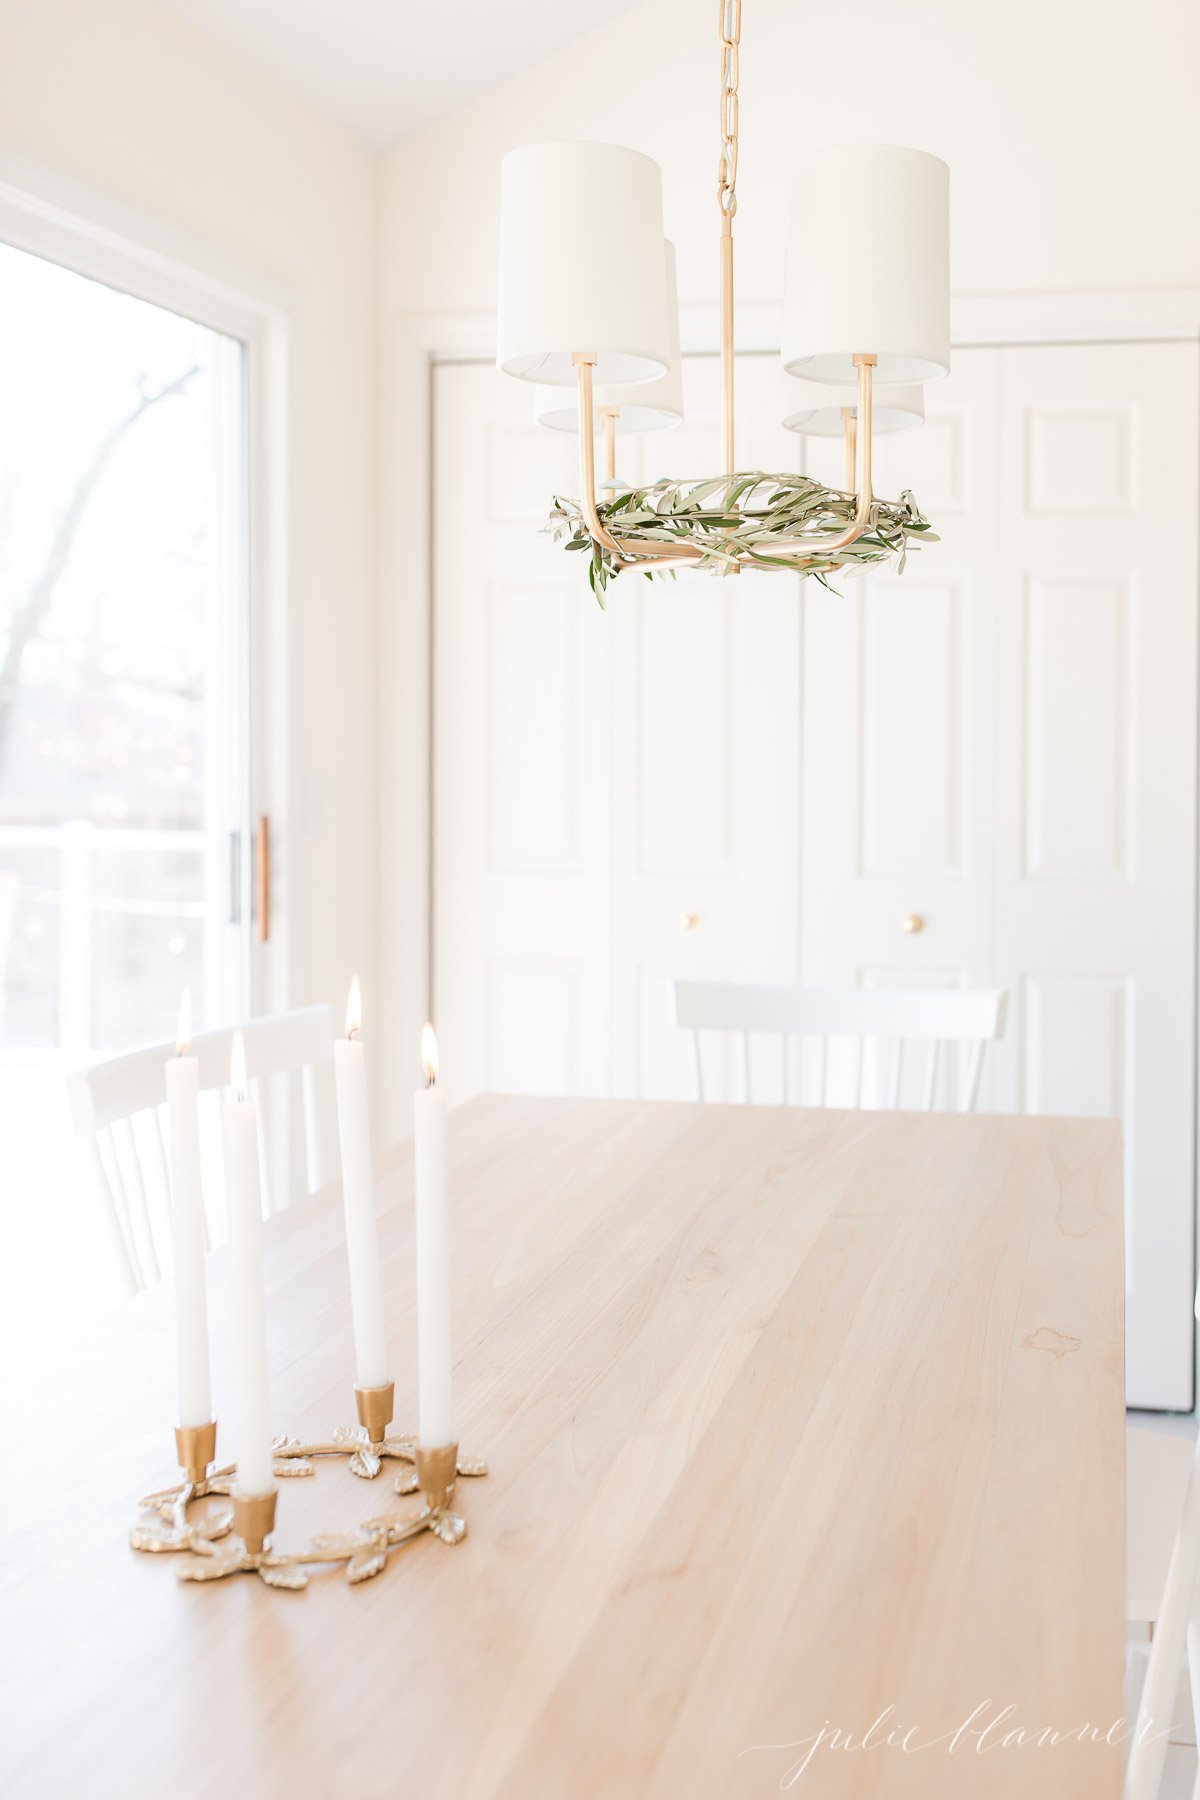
point(76, 843)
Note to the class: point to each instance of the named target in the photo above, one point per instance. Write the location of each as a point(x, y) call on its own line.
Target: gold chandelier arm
point(849, 437)
point(608, 422)
point(821, 547)
point(585, 362)
point(646, 554)
point(865, 363)
point(628, 554)
point(634, 553)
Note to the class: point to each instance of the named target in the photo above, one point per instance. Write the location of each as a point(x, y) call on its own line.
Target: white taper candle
point(358, 1196)
point(187, 1228)
point(435, 1416)
point(248, 1307)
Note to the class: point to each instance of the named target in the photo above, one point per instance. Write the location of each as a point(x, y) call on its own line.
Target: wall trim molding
point(1149, 315)
point(58, 218)
point(987, 320)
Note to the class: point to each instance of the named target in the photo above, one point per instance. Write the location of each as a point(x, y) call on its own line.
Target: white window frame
point(66, 223)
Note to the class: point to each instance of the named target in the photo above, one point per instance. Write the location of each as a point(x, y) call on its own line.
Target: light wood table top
point(791, 1416)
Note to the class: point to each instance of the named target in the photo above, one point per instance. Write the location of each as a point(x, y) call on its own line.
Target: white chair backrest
point(934, 1017)
point(120, 1106)
point(1148, 1747)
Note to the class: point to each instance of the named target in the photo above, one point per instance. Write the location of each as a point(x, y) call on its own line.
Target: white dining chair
point(119, 1105)
point(1162, 1475)
point(909, 1018)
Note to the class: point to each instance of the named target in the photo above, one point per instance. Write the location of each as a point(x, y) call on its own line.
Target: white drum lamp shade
point(818, 411)
point(581, 264)
point(647, 406)
point(868, 265)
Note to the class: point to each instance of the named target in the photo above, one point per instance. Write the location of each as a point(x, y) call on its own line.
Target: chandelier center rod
point(731, 34)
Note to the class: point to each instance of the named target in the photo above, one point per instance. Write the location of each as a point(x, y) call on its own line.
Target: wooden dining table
point(805, 1433)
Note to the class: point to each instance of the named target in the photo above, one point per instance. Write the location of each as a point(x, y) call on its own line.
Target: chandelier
point(588, 311)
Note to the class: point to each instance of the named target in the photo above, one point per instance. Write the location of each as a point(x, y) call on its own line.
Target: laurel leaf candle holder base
point(172, 1529)
point(237, 1540)
point(249, 1550)
point(436, 1474)
point(367, 1445)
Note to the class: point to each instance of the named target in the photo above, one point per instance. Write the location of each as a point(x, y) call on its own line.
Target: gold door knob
point(689, 921)
point(911, 923)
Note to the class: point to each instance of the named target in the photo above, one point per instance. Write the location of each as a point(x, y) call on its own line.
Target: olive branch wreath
point(734, 519)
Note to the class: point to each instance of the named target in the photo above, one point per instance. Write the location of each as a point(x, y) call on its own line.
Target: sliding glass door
point(124, 762)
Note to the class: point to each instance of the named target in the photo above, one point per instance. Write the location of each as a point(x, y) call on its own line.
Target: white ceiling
point(382, 67)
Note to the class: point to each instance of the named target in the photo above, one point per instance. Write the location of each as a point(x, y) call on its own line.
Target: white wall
point(130, 102)
point(1073, 139)
point(1071, 131)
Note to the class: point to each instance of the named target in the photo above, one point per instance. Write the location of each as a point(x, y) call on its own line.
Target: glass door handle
point(235, 877)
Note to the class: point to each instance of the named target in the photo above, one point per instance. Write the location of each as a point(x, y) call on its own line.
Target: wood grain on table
point(793, 1417)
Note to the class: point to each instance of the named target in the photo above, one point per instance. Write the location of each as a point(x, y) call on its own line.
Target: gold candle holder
point(435, 1463)
point(251, 1518)
point(196, 1451)
point(254, 1519)
point(437, 1471)
point(367, 1444)
point(375, 1411)
point(370, 1444)
point(250, 1552)
point(364, 1552)
point(196, 1448)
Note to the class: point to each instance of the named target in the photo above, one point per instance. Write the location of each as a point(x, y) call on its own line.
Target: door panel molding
point(1093, 712)
point(907, 721)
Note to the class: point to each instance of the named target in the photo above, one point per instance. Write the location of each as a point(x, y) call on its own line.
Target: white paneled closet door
point(1002, 744)
point(1096, 804)
point(521, 801)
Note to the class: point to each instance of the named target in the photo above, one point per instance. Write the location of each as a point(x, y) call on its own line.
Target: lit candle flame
point(183, 1031)
point(429, 1055)
point(237, 1065)
point(354, 1009)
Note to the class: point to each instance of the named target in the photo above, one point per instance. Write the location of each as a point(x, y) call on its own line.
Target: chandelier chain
point(731, 38)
